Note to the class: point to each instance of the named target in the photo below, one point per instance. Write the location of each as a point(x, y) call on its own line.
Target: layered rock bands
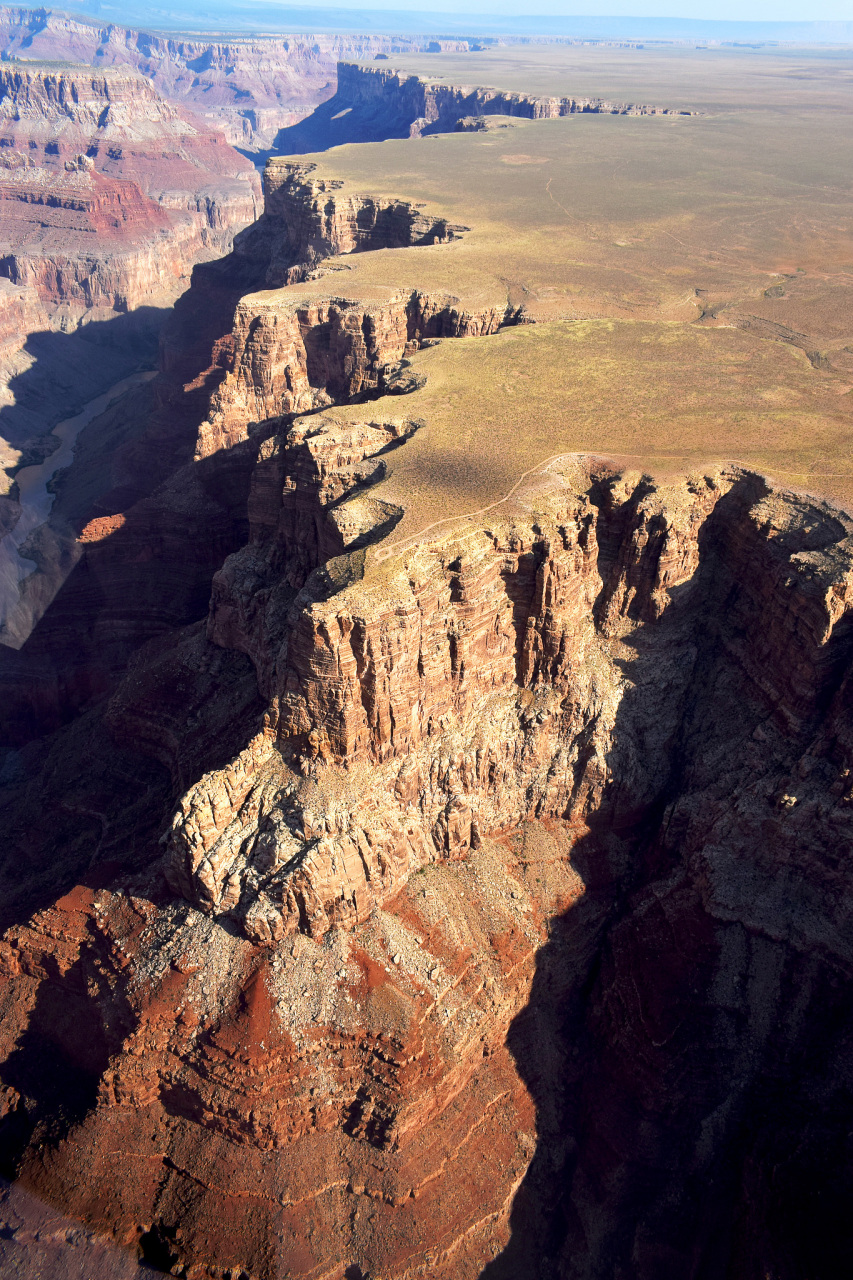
point(468, 905)
point(109, 193)
point(425, 107)
point(247, 87)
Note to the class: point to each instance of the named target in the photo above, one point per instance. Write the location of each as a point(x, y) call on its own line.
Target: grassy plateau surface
point(690, 278)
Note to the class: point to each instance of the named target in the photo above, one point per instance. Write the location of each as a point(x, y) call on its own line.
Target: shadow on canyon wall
point(659, 1160)
point(75, 794)
point(57, 1067)
point(134, 579)
point(60, 1059)
point(37, 1242)
point(64, 371)
point(55, 375)
point(92, 798)
point(334, 124)
point(691, 1072)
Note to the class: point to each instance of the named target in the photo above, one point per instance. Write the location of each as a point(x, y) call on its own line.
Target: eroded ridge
point(236, 364)
point(643, 691)
point(505, 900)
point(424, 106)
point(479, 682)
point(284, 358)
point(324, 218)
point(248, 352)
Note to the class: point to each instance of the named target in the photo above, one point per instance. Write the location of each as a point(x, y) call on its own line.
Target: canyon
point(110, 193)
point(114, 182)
point(108, 196)
point(373, 103)
point(425, 106)
point(247, 88)
point(427, 811)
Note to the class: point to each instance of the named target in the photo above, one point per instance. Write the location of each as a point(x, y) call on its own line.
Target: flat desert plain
point(689, 278)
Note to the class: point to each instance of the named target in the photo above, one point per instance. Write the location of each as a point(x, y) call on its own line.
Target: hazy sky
point(273, 14)
point(721, 10)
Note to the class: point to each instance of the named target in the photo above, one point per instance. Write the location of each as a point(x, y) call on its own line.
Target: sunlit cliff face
point(503, 888)
point(423, 871)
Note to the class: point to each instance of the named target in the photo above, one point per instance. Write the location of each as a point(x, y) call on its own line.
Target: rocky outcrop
point(274, 358)
point(316, 218)
point(249, 88)
point(232, 370)
point(347, 1092)
point(582, 774)
point(21, 313)
point(286, 359)
point(483, 655)
point(306, 219)
point(109, 193)
point(476, 904)
point(418, 106)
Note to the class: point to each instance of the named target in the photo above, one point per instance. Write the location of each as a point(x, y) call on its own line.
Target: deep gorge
point(482, 911)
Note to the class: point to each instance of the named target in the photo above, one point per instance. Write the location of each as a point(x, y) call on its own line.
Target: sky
point(712, 10)
point(554, 16)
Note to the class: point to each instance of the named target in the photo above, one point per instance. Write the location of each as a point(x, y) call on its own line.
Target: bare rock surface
point(372, 103)
point(249, 88)
point(600, 797)
point(109, 192)
point(477, 906)
point(227, 366)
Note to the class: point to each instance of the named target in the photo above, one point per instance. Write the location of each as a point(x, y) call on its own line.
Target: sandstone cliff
point(433, 657)
point(583, 772)
point(419, 106)
point(229, 367)
point(21, 313)
point(273, 357)
point(109, 193)
point(373, 103)
point(474, 906)
point(249, 88)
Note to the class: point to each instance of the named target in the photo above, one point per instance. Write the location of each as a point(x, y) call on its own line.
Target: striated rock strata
point(306, 219)
point(418, 106)
point(436, 653)
point(538, 863)
point(231, 369)
point(249, 88)
point(477, 906)
point(109, 193)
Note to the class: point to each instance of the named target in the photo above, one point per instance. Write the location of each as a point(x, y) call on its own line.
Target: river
point(21, 608)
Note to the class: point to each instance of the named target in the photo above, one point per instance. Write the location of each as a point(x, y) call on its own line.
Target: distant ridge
point(255, 16)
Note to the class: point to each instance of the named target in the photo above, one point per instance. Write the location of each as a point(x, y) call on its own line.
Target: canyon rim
point(428, 774)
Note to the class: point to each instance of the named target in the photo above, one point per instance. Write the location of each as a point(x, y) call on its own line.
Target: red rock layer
point(316, 1107)
point(489, 897)
point(248, 87)
point(109, 194)
point(543, 1044)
